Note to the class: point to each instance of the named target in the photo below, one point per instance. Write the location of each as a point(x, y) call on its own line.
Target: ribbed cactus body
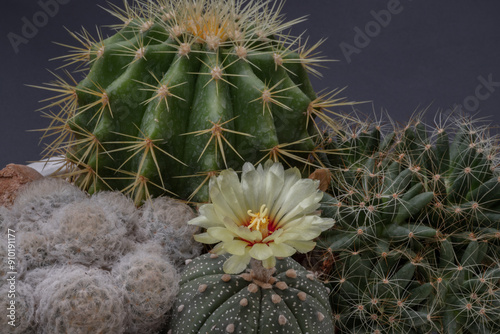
point(378, 294)
point(210, 301)
point(420, 203)
point(182, 91)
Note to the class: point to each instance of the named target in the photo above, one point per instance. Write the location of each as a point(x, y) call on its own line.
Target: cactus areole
point(183, 90)
point(288, 300)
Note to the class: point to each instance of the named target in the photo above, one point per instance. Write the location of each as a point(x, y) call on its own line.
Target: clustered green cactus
point(183, 90)
point(417, 236)
point(288, 299)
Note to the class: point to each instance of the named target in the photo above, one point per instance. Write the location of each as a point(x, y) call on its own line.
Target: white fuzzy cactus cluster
point(93, 264)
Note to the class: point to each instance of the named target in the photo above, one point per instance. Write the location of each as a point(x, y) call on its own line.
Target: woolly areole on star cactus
point(270, 213)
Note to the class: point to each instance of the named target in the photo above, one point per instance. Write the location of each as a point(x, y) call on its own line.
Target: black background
point(428, 54)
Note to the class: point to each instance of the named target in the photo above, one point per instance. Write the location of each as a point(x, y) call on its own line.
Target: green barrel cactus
point(183, 90)
point(420, 203)
point(212, 301)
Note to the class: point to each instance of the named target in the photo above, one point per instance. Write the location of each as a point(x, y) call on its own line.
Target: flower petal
point(218, 249)
point(236, 247)
point(274, 181)
point(250, 180)
point(302, 199)
point(296, 196)
point(260, 251)
point(236, 264)
point(205, 238)
point(269, 263)
point(243, 232)
point(301, 246)
point(281, 250)
point(222, 206)
point(273, 236)
point(324, 223)
point(300, 229)
point(207, 218)
point(221, 233)
point(233, 193)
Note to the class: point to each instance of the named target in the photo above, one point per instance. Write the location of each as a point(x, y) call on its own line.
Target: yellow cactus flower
point(270, 213)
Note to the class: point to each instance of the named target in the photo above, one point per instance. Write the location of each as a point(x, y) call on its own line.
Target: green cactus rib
point(417, 229)
point(371, 294)
point(183, 90)
point(211, 301)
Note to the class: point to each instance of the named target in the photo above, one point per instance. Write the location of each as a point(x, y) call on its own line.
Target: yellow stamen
point(259, 220)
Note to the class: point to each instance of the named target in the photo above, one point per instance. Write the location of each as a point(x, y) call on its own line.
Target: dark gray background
point(429, 53)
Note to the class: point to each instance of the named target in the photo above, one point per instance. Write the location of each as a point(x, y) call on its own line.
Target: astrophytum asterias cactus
point(259, 221)
point(289, 300)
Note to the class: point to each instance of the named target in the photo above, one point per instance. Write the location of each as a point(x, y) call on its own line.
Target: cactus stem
point(269, 96)
point(136, 52)
point(260, 273)
point(85, 176)
point(103, 101)
point(216, 132)
point(87, 142)
point(139, 189)
point(217, 72)
point(82, 54)
point(278, 153)
point(207, 175)
point(162, 93)
point(144, 144)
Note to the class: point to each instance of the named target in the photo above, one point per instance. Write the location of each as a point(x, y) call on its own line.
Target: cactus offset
point(288, 300)
point(183, 90)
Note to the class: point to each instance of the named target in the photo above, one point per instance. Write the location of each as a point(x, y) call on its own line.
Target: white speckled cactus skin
point(210, 301)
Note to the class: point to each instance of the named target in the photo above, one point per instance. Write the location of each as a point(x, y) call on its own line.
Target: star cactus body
point(291, 300)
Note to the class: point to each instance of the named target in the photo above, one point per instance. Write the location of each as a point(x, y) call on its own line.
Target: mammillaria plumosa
point(92, 254)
